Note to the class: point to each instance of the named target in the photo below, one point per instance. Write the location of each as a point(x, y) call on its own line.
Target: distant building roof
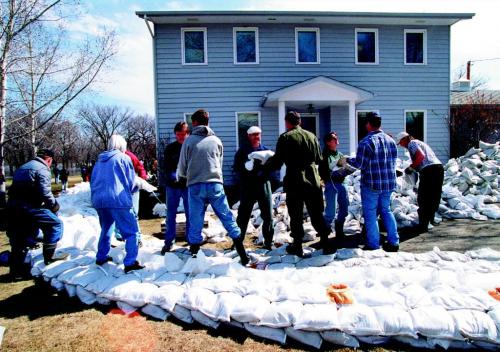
point(308, 17)
point(488, 97)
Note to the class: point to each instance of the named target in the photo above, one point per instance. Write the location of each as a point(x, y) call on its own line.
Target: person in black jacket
point(32, 207)
point(175, 189)
point(255, 186)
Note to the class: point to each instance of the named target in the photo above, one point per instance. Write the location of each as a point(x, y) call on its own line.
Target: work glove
point(55, 207)
point(409, 170)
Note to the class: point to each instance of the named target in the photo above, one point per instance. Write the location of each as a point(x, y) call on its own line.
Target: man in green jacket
point(299, 150)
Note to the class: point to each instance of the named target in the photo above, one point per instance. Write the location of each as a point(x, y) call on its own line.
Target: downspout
point(155, 87)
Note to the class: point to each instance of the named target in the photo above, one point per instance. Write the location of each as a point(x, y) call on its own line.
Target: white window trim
point(316, 115)
point(318, 50)
point(236, 125)
point(424, 31)
point(205, 49)
point(425, 121)
point(235, 54)
point(358, 111)
point(185, 116)
point(374, 30)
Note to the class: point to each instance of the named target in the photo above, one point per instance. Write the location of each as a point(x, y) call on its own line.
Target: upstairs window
point(194, 46)
point(246, 45)
point(366, 46)
point(245, 120)
point(415, 47)
point(415, 123)
point(307, 46)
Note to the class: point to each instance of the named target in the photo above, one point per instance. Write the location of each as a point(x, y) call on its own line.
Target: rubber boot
point(339, 230)
point(48, 254)
point(194, 248)
point(240, 249)
point(326, 245)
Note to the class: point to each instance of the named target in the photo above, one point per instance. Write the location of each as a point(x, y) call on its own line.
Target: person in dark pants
point(64, 174)
point(299, 150)
point(255, 186)
point(333, 177)
point(431, 173)
point(175, 189)
point(32, 207)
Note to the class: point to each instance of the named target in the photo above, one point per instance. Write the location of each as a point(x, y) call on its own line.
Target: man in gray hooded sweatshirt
point(200, 163)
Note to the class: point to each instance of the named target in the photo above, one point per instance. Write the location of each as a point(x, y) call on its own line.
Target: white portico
point(319, 91)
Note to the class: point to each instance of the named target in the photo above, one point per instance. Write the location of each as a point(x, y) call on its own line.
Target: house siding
point(223, 88)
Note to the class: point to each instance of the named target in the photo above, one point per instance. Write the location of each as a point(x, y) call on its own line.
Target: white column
point(281, 129)
point(281, 117)
point(352, 127)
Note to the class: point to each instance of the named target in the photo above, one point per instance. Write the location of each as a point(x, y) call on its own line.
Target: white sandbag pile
point(428, 300)
point(471, 184)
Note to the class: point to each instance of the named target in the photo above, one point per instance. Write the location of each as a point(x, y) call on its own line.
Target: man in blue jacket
point(32, 207)
point(112, 184)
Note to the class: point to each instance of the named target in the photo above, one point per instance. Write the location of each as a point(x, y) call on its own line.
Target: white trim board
point(318, 50)
point(205, 49)
point(373, 30)
point(414, 30)
point(257, 55)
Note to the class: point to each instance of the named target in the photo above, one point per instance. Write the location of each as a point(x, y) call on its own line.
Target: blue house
point(250, 68)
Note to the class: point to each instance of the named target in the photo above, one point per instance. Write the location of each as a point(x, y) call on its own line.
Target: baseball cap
point(400, 136)
point(45, 152)
point(254, 129)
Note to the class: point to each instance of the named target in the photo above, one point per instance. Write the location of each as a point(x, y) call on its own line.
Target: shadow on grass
point(36, 301)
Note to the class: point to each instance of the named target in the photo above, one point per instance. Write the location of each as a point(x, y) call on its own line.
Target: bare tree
point(47, 74)
point(477, 82)
point(476, 119)
point(99, 123)
point(139, 132)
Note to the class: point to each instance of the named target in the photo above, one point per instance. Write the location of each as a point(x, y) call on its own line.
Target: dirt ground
point(38, 319)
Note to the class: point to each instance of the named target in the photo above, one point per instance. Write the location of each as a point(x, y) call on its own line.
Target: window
point(246, 45)
point(415, 123)
point(415, 47)
point(194, 46)
point(187, 118)
point(307, 46)
point(245, 120)
point(366, 46)
point(361, 124)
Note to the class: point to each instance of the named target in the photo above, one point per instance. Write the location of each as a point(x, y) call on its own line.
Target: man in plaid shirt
point(376, 158)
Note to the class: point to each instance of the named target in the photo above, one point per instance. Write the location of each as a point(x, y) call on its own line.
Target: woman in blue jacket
point(112, 185)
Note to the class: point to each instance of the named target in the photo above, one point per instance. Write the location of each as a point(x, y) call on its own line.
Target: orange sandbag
point(495, 293)
point(340, 294)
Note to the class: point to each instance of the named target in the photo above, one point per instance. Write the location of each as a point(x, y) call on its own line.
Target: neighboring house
point(249, 68)
point(474, 116)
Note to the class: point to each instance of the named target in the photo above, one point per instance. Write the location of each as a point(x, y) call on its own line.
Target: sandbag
point(394, 321)
point(308, 338)
point(273, 334)
point(155, 312)
point(434, 321)
point(281, 314)
point(358, 320)
point(475, 325)
point(251, 309)
point(318, 317)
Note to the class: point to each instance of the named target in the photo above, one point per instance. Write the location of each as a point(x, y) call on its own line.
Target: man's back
point(299, 150)
point(31, 185)
point(201, 157)
point(378, 153)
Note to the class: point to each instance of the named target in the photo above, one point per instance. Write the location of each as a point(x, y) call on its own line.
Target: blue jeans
point(373, 203)
point(135, 207)
point(174, 195)
point(127, 224)
point(335, 192)
point(201, 194)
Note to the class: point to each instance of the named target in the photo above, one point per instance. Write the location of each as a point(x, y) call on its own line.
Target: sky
point(129, 81)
